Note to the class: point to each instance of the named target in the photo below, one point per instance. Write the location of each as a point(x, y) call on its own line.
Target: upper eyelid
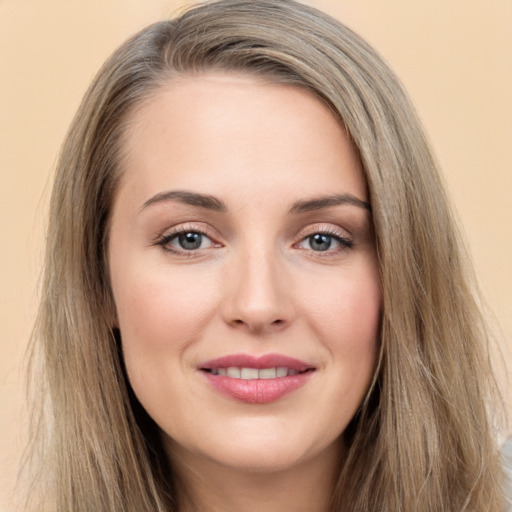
point(324, 228)
point(204, 229)
point(185, 227)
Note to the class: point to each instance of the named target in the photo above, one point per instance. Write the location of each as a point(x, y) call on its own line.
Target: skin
point(256, 285)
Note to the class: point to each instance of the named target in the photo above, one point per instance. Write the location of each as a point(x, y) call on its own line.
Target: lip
point(259, 362)
point(257, 391)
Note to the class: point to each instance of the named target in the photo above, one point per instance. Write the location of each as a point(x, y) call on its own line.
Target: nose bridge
point(257, 299)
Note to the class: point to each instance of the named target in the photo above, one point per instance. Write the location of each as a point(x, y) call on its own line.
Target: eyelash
point(164, 241)
point(345, 243)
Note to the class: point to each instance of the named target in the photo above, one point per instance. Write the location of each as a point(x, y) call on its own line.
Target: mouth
point(256, 380)
point(247, 373)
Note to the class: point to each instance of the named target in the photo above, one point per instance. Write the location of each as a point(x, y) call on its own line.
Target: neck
point(210, 487)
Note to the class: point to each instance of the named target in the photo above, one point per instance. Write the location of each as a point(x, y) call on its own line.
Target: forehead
point(236, 131)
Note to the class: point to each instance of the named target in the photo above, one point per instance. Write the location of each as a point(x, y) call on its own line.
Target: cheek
point(345, 316)
point(347, 310)
point(159, 307)
point(160, 314)
point(357, 321)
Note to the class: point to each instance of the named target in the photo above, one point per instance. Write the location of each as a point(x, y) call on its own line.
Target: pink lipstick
point(256, 380)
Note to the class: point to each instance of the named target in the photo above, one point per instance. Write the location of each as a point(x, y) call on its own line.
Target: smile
point(256, 380)
point(254, 373)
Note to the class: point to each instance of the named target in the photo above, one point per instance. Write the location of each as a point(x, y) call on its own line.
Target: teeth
point(233, 372)
point(267, 373)
point(248, 373)
point(281, 372)
point(254, 373)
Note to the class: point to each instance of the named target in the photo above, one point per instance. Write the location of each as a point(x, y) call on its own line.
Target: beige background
point(454, 56)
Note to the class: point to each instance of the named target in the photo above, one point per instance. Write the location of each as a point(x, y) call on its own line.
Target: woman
point(255, 295)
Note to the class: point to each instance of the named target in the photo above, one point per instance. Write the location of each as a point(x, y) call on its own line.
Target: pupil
point(320, 242)
point(190, 241)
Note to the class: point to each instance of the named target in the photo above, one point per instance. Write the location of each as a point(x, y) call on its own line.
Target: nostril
point(255, 325)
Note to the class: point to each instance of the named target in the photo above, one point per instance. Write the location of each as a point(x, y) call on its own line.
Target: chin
point(258, 448)
point(264, 459)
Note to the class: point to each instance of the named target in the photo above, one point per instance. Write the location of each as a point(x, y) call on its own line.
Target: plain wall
point(454, 57)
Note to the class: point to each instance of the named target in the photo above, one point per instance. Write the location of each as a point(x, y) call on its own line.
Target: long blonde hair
point(423, 440)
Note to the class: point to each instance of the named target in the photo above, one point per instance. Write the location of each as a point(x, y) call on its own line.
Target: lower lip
point(257, 391)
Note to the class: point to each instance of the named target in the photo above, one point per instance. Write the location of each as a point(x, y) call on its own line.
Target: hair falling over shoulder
point(424, 440)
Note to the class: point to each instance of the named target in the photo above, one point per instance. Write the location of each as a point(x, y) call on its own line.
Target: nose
point(257, 295)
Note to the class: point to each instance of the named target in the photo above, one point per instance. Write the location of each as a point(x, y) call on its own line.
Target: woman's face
point(244, 272)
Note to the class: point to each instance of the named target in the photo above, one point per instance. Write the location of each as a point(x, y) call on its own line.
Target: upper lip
point(259, 362)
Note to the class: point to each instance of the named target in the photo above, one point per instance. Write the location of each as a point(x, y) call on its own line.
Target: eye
point(319, 242)
point(322, 242)
point(185, 241)
point(189, 241)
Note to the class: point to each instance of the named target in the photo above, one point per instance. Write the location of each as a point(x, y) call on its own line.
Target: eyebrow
point(318, 203)
point(191, 198)
point(212, 203)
